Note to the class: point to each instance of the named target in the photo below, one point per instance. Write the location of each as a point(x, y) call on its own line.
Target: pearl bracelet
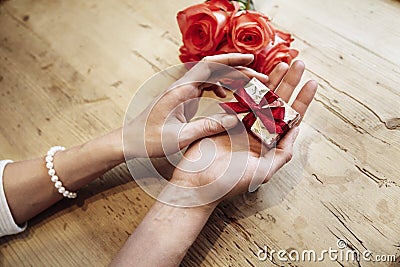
point(52, 172)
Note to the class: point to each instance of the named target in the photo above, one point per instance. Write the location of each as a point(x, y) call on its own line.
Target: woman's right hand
point(169, 117)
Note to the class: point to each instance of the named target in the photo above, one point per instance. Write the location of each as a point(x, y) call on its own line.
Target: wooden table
point(68, 70)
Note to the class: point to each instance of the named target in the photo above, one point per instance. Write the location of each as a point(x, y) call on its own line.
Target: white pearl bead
point(52, 172)
point(49, 165)
point(57, 148)
point(49, 158)
point(58, 184)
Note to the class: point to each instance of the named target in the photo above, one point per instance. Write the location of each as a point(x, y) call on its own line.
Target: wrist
point(186, 182)
point(80, 165)
point(110, 146)
point(152, 238)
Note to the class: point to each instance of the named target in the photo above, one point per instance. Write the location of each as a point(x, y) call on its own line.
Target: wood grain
point(68, 70)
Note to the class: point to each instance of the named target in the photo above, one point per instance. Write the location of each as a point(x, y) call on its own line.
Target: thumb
point(206, 127)
point(275, 159)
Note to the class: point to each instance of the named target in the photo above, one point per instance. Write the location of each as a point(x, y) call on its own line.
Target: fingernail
point(265, 77)
point(252, 56)
point(228, 121)
point(254, 188)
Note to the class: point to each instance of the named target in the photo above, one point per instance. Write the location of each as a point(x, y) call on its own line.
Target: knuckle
point(182, 92)
point(210, 126)
point(283, 66)
point(206, 58)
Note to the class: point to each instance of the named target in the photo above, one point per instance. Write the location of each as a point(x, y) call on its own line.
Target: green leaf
point(250, 5)
point(244, 4)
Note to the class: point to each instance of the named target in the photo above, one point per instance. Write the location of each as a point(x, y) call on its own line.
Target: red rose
point(186, 57)
point(275, 53)
point(204, 26)
point(250, 31)
point(225, 47)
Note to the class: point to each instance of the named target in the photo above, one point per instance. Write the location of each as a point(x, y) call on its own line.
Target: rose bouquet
point(223, 26)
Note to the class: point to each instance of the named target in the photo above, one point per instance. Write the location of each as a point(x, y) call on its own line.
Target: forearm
point(164, 236)
point(27, 184)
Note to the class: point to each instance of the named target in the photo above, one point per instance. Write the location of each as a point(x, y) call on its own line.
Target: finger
point(232, 59)
point(260, 174)
point(283, 152)
point(206, 127)
point(238, 74)
point(305, 96)
point(203, 69)
point(175, 96)
point(290, 81)
point(274, 160)
point(216, 87)
point(253, 74)
point(190, 108)
point(276, 76)
point(188, 85)
point(219, 91)
point(234, 78)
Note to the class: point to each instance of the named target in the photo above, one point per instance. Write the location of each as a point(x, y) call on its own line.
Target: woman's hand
point(151, 243)
point(165, 127)
point(237, 165)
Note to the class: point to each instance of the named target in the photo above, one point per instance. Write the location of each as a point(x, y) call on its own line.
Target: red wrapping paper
point(262, 112)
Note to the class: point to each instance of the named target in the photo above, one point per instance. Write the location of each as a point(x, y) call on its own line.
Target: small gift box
point(262, 112)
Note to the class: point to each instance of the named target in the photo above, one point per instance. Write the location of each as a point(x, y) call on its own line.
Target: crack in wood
point(379, 231)
point(248, 262)
point(346, 120)
point(91, 101)
point(170, 38)
point(342, 213)
point(316, 178)
point(116, 84)
point(340, 116)
point(350, 245)
point(390, 126)
point(342, 222)
point(379, 181)
point(330, 139)
point(335, 235)
point(393, 123)
point(153, 66)
point(19, 21)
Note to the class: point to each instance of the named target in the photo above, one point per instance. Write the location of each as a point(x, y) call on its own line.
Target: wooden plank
point(86, 59)
point(335, 56)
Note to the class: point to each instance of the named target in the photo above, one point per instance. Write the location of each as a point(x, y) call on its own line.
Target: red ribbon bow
point(274, 124)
